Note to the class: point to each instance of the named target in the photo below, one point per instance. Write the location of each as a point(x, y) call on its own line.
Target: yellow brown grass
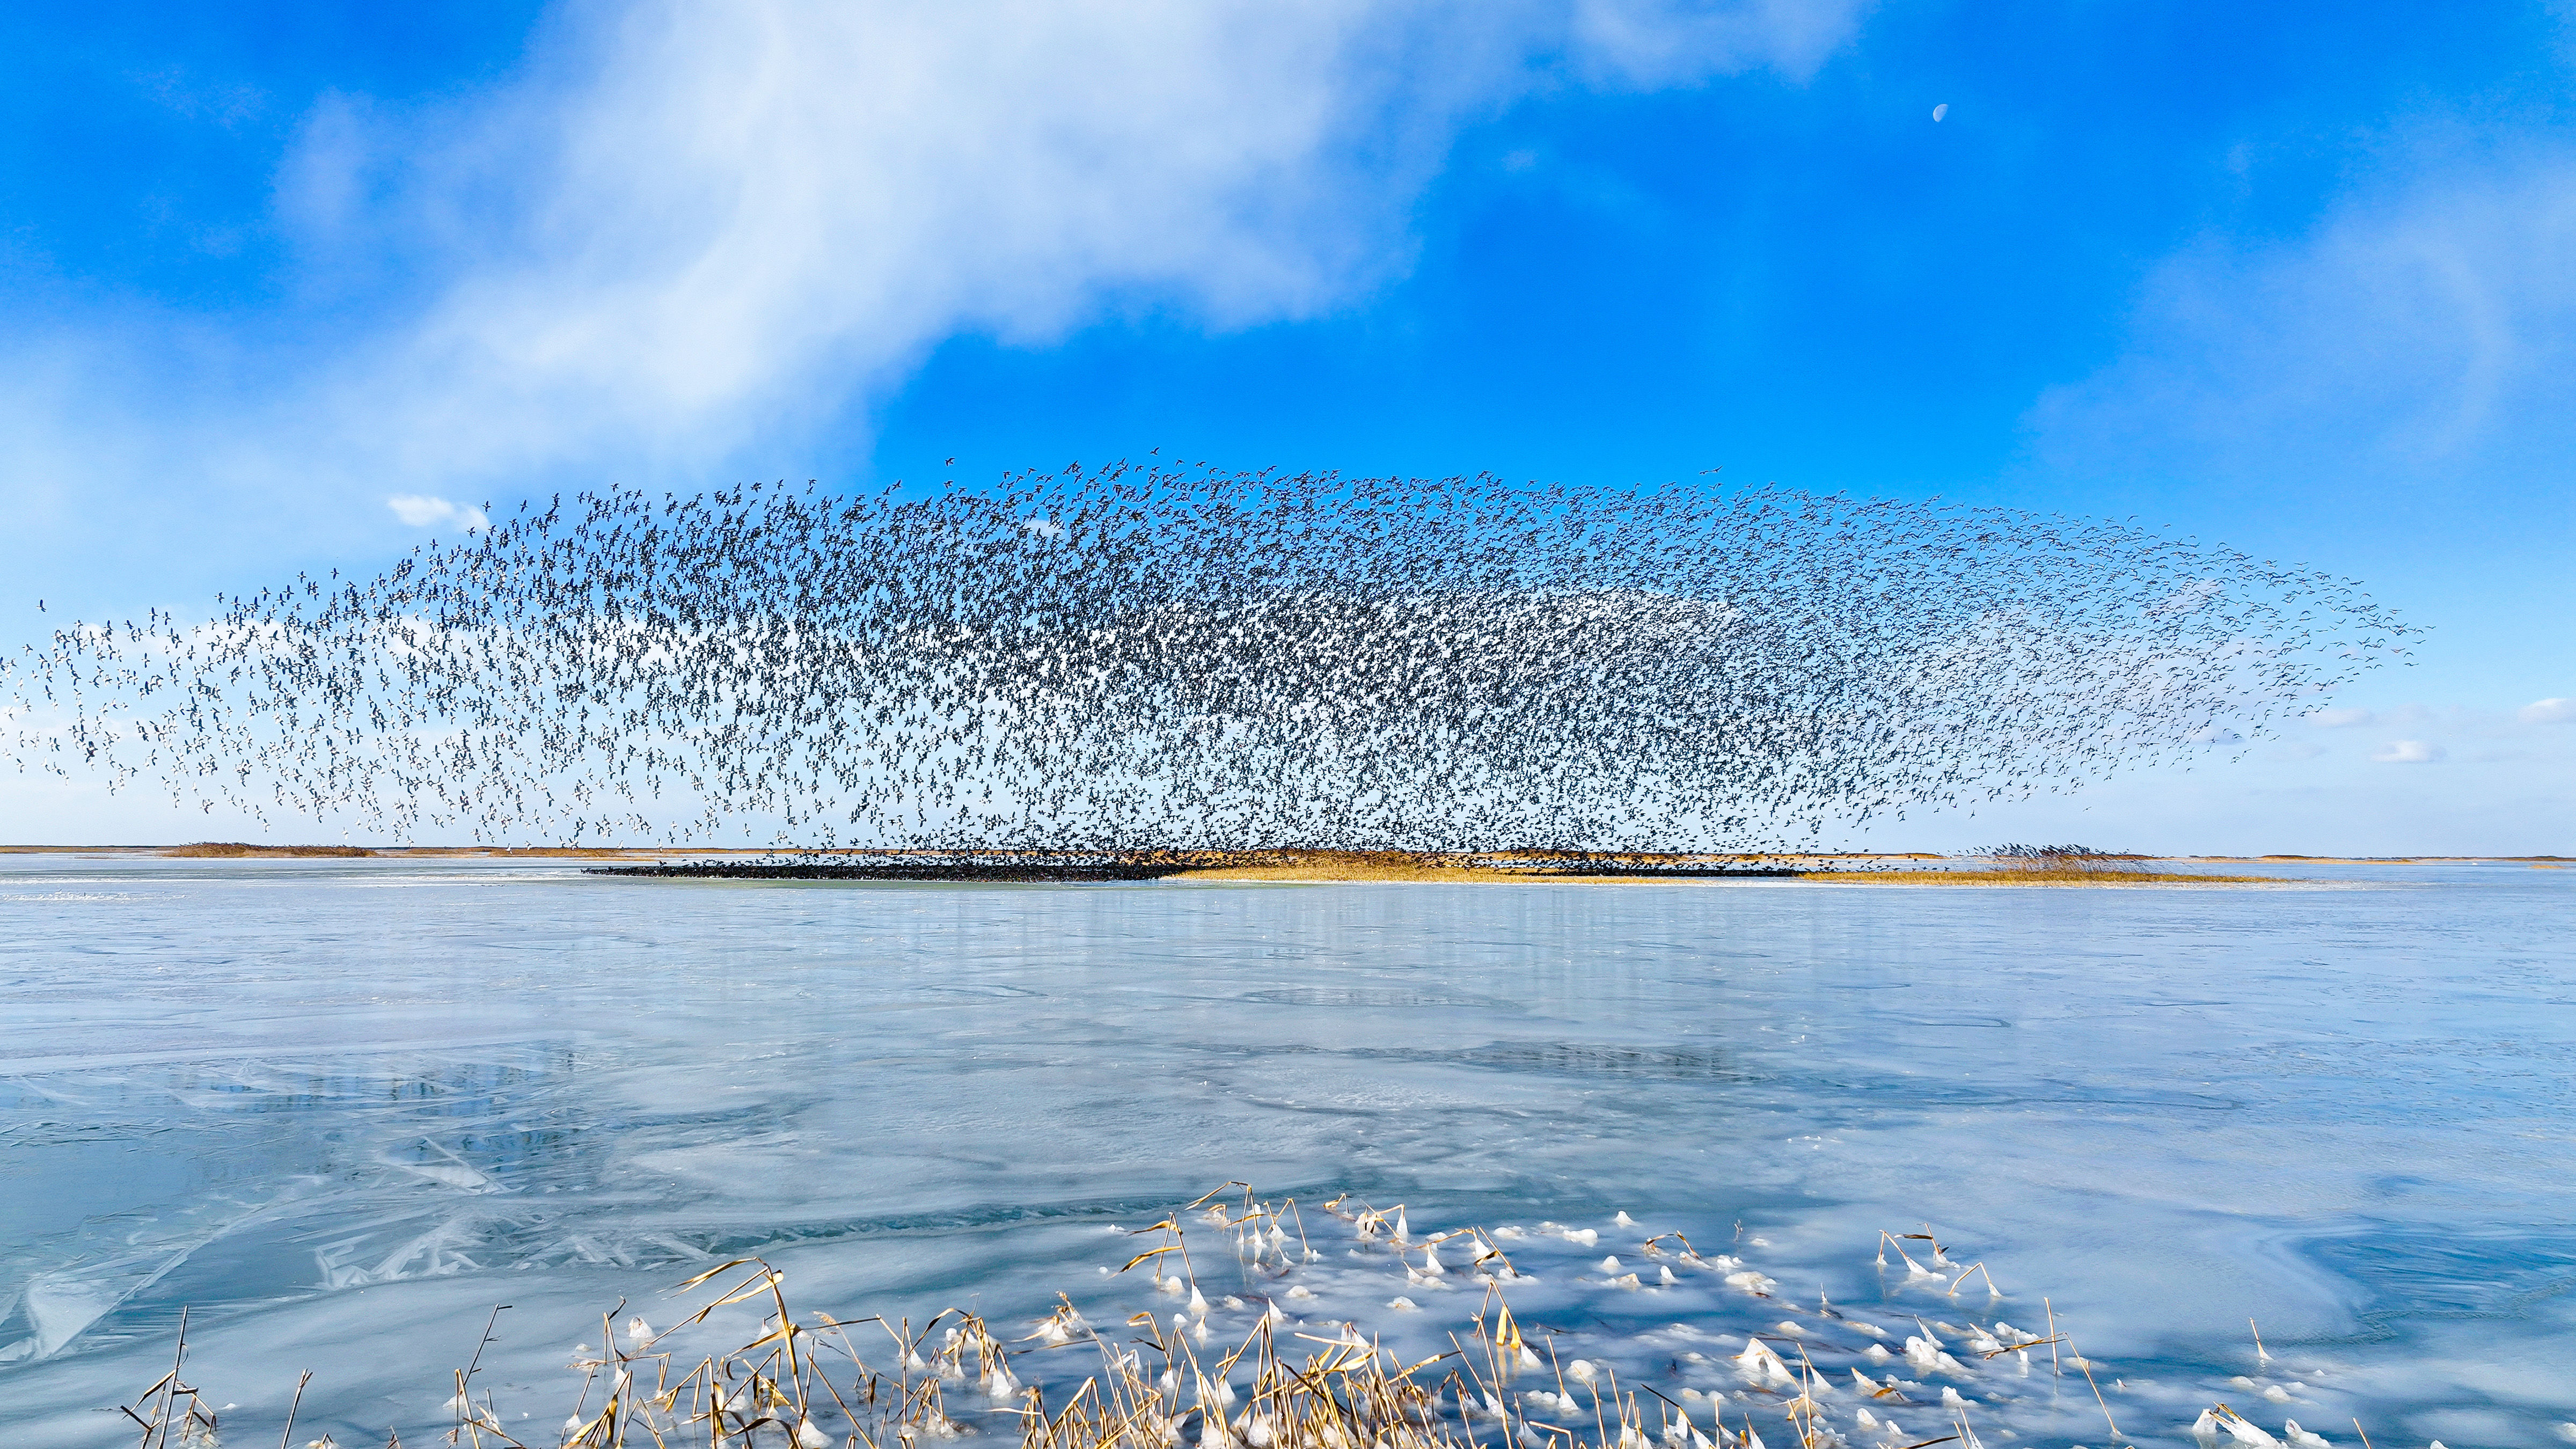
point(2053, 865)
point(1345, 865)
point(2033, 877)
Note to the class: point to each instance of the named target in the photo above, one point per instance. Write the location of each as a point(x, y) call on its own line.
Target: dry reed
point(2084, 877)
point(819, 1382)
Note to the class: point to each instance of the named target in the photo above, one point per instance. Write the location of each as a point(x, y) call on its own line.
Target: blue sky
point(2299, 278)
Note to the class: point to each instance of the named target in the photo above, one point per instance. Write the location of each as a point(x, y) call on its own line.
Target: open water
point(341, 1110)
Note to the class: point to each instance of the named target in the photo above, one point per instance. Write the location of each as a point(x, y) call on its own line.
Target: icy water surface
point(343, 1109)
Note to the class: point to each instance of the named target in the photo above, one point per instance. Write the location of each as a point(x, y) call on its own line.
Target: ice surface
point(342, 1109)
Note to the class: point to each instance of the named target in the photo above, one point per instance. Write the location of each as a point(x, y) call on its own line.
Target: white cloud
point(421, 511)
point(1654, 43)
point(2408, 752)
point(694, 228)
point(2337, 718)
point(2548, 711)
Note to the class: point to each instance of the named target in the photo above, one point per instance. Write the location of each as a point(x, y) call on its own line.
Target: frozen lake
point(341, 1109)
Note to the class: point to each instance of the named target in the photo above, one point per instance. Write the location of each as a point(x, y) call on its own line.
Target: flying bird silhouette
point(1158, 655)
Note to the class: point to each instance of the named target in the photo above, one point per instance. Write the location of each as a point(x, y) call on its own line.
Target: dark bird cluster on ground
point(1153, 656)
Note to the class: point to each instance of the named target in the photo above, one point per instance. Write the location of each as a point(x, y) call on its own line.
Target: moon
point(1940, 110)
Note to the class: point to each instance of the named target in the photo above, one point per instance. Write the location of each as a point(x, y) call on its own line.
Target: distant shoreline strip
point(1095, 871)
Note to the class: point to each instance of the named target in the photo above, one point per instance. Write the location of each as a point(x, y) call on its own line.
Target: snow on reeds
point(1513, 1338)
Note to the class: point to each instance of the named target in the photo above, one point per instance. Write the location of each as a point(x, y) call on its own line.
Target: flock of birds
point(1158, 656)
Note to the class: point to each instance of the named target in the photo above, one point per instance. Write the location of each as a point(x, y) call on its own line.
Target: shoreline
point(299, 851)
point(1308, 866)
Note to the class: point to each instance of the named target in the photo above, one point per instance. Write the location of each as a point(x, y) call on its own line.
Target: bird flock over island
point(1155, 655)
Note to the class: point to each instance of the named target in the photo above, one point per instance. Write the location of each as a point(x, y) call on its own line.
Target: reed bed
point(1286, 1373)
point(2047, 865)
point(2085, 877)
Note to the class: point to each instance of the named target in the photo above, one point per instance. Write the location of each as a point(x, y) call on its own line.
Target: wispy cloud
point(2548, 711)
point(421, 511)
point(2428, 318)
point(2409, 752)
point(1655, 43)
